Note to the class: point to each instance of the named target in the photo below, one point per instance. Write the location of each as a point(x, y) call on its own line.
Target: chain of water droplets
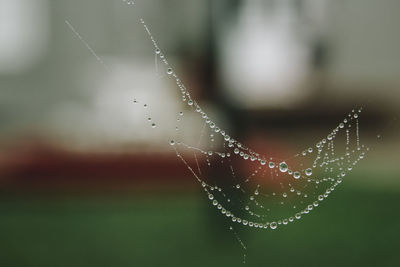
point(333, 167)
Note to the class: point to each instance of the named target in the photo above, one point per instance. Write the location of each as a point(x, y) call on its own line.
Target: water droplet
point(190, 102)
point(283, 167)
point(169, 71)
point(172, 142)
point(153, 125)
point(263, 162)
point(236, 151)
point(308, 172)
point(273, 225)
point(210, 196)
point(157, 51)
point(271, 165)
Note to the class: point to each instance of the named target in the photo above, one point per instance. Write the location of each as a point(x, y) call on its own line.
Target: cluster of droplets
point(309, 183)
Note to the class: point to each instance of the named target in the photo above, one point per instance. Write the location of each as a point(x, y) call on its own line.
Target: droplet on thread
point(271, 165)
point(283, 167)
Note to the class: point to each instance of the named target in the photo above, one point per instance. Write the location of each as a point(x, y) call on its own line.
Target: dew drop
point(308, 172)
point(271, 165)
point(169, 71)
point(273, 225)
point(283, 167)
point(172, 142)
point(296, 175)
point(153, 125)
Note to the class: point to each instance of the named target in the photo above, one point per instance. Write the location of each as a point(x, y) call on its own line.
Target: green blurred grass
point(353, 227)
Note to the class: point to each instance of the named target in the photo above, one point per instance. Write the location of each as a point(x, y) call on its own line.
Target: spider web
point(249, 188)
point(268, 193)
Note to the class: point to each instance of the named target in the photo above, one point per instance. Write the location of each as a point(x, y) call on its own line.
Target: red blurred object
point(45, 167)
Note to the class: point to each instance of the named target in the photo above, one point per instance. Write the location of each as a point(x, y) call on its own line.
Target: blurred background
point(84, 180)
